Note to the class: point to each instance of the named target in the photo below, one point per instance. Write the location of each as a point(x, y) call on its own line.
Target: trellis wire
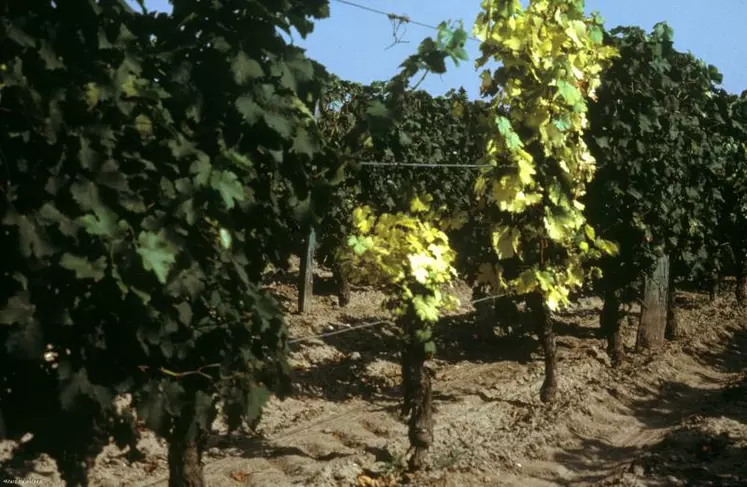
point(415, 164)
point(375, 323)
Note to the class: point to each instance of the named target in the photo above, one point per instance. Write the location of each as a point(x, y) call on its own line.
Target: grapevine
point(552, 58)
point(657, 188)
point(411, 259)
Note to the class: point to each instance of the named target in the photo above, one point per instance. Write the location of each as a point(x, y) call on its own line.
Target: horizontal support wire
point(391, 16)
point(415, 164)
point(376, 323)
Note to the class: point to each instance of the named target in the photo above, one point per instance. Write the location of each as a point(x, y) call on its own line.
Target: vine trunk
point(417, 392)
point(610, 321)
point(342, 281)
point(541, 313)
point(185, 451)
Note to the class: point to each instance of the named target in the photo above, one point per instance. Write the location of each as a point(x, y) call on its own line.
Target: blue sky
point(354, 43)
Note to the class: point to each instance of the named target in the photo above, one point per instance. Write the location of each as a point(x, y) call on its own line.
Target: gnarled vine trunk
point(84, 436)
point(417, 392)
point(541, 315)
point(73, 465)
point(185, 451)
point(342, 281)
point(610, 321)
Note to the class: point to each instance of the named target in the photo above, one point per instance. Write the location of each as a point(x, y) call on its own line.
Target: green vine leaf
point(83, 268)
point(158, 254)
point(245, 68)
point(229, 187)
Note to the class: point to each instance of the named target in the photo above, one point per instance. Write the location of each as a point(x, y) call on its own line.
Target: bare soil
point(676, 417)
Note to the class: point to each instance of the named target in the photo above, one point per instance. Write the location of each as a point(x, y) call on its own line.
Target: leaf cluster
point(407, 255)
point(660, 158)
point(152, 166)
point(447, 129)
point(552, 56)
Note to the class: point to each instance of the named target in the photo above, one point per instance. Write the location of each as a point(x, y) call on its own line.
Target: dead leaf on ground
point(366, 481)
point(239, 476)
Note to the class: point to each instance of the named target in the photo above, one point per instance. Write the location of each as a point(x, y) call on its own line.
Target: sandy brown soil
point(678, 417)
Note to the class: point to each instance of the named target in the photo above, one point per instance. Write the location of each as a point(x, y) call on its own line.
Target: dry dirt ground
point(678, 417)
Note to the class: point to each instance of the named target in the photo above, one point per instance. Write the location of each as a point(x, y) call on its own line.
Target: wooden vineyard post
point(306, 273)
point(653, 323)
point(674, 330)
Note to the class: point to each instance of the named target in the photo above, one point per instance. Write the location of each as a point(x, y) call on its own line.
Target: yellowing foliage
point(409, 255)
point(552, 58)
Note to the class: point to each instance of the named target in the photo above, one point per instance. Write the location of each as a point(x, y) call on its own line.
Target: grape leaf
point(158, 254)
point(83, 268)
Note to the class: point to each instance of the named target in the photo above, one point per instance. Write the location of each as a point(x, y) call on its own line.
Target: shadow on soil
point(707, 443)
point(323, 286)
point(20, 465)
point(257, 447)
point(463, 338)
point(457, 339)
point(342, 380)
point(696, 452)
point(349, 376)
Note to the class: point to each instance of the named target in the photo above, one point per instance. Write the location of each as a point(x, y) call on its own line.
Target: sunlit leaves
point(360, 245)
point(144, 125)
point(452, 39)
point(91, 95)
point(408, 255)
point(419, 205)
point(101, 223)
point(512, 140)
point(506, 242)
point(571, 95)
point(552, 59)
point(228, 186)
point(225, 238)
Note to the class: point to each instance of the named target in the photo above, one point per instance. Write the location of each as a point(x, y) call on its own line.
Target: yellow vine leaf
point(408, 254)
point(552, 63)
point(506, 242)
